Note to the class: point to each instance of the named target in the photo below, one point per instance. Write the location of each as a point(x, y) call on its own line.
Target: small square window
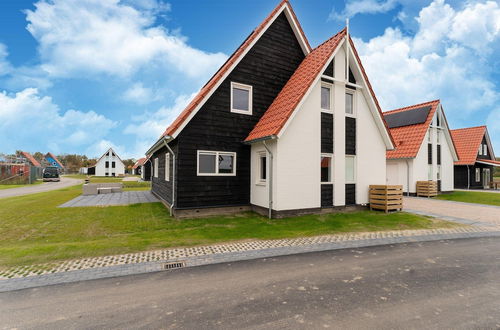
point(241, 98)
point(226, 162)
point(206, 163)
point(350, 169)
point(349, 103)
point(325, 98)
point(326, 169)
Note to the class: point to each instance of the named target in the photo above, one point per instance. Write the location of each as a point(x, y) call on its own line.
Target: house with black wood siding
point(474, 168)
point(280, 129)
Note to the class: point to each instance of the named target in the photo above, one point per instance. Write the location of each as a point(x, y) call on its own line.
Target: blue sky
point(79, 76)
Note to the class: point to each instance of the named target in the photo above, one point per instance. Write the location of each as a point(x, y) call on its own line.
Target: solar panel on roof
point(407, 118)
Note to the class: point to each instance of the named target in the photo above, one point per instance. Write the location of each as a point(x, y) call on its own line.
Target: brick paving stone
point(123, 198)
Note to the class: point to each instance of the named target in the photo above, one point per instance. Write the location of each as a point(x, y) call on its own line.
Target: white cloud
point(85, 37)
point(5, 66)
point(28, 120)
point(441, 61)
point(139, 94)
point(352, 8)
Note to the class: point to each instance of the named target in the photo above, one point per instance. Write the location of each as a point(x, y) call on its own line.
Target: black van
point(51, 174)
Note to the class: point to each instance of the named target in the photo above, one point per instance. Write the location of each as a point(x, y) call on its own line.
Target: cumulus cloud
point(449, 57)
point(31, 121)
point(85, 37)
point(5, 66)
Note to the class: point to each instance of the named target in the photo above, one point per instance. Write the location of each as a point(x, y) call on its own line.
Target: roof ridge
point(329, 39)
point(411, 106)
point(464, 128)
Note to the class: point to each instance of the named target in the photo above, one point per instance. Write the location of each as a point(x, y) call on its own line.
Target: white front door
point(486, 178)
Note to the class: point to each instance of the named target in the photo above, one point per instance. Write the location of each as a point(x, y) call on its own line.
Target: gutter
point(270, 212)
point(262, 139)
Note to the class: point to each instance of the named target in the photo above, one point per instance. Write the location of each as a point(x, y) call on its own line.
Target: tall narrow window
point(326, 168)
point(216, 163)
point(241, 98)
point(439, 154)
point(349, 103)
point(113, 164)
point(485, 150)
point(481, 150)
point(478, 174)
point(439, 172)
point(107, 165)
point(326, 93)
point(429, 153)
point(263, 167)
point(429, 135)
point(429, 173)
point(350, 169)
point(156, 167)
point(167, 167)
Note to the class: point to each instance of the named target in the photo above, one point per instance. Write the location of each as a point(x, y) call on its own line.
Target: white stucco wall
point(101, 170)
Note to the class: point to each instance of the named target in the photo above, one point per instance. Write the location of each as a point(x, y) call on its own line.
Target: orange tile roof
point(32, 159)
point(292, 93)
point(408, 139)
point(139, 162)
point(226, 66)
point(467, 141)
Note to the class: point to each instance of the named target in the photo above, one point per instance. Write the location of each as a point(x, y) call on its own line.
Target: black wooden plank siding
point(350, 194)
point(461, 176)
point(266, 67)
point(429, 153)
point(326, 132)
point(350, 136)
point(326, 195)
point(159, 185)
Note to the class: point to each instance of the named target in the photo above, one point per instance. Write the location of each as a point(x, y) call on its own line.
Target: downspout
point(173, 176)
point(270, 180)
point(468, 177)
point(407, 178)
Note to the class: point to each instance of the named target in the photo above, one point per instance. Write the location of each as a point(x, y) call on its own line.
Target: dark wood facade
point(465, 173)
point(266, 67)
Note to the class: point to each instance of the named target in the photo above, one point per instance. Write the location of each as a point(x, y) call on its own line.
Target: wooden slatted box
point(386, 197)
point(427, 188)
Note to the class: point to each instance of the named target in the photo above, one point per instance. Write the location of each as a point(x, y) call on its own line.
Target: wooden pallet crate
point(427, 188)
point(386, 197)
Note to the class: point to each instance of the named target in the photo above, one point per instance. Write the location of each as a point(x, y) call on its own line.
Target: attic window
point(241, 98)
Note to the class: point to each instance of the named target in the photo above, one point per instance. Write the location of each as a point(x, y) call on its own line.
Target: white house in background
point(108, 165)
point(424, 147)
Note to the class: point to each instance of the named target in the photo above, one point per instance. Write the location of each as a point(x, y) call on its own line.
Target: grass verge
point(34, 230)
point(475, 197)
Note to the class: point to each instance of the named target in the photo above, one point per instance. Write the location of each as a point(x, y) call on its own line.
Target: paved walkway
point(131, 178)
point(123, 198)
point(455, 211)
point(152, 261)
point(38, 188)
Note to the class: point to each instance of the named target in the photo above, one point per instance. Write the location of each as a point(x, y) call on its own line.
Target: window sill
point(242, 112)
point(261, 183)
point(327, 182)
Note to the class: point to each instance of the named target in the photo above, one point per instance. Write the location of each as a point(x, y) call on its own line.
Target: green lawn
point(34, 230)
point(8, 186)
point(472, 197)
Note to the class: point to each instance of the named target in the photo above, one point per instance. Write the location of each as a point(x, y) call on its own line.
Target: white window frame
point(250, 98)
point(329, 86)
point(155, 167)
point(216, 153)
point(167, 166)
point(485, 150)
point(331, 168)
point(480, 150)
point(353, 93)
point(478, 174)
point(355, 174)
point(259, 179)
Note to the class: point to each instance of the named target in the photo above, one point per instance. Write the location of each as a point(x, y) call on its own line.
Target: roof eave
point(158, 145)
point(265, 138)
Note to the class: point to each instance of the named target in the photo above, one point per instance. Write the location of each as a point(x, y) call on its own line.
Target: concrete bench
point(102, 188)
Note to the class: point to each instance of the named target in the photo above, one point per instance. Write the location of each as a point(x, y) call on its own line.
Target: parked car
point(51, 174)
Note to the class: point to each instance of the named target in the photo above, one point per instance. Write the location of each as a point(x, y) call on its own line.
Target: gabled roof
point(139, 162)
point(51, 155)
point(228, 66)
point(106, 152)
point(29, 157)
point(282, 108)
point(409, 138)
point(467, 141)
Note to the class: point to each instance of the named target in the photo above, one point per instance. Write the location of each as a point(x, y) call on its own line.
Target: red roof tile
point(408, 139)
point(292, 93)
point(139, 162)
point(226, 66)
point(32, 159)
point(467, 141)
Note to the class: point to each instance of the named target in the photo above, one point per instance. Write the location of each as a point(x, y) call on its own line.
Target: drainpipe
point(468, 178)
point(407, 178)
point(173, 176)
point(270, 179)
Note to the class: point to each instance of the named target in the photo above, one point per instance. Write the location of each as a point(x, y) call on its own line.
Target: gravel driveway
point(33, 189)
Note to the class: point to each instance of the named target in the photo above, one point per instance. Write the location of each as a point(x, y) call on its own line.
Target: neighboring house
point(146, 169)
point(474, 168)
point(136, 169)
point(53, 161)
point(31, 159)
point(279, 127)
point(424, 147)
point(108, 165)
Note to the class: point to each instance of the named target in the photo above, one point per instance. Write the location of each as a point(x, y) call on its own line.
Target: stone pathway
point(454, 211)
point(135, 263)
point(123, 198)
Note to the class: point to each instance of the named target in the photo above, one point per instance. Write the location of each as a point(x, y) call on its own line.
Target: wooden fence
point(427, 188)
point(386, 197)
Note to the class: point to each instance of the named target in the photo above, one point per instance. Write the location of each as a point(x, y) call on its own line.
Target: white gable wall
point(101, 170)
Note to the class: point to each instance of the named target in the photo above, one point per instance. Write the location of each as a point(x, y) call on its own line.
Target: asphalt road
point(435, 285)
point(33, 189)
